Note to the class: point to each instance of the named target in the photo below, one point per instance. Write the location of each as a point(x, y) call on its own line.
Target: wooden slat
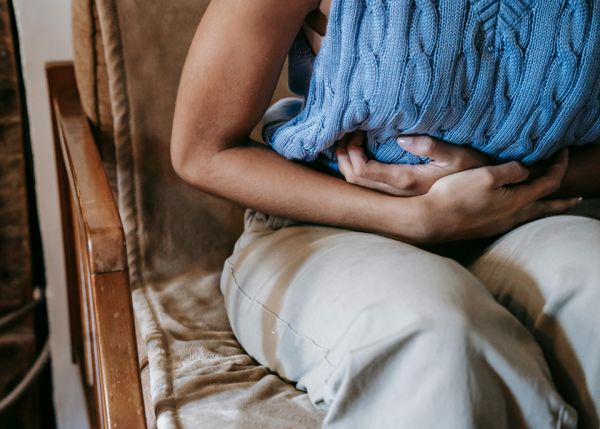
point(117, 352)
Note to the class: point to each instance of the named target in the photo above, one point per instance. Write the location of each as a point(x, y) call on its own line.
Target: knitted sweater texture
point(514, 79)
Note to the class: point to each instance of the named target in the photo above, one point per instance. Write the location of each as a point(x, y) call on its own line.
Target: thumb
point(418, 145)
point(430, 147)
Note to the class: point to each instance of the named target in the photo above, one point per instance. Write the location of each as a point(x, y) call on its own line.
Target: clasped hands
point(405, 180)
point(476, 197)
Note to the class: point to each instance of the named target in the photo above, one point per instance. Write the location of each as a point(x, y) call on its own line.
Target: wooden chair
point(143, 250)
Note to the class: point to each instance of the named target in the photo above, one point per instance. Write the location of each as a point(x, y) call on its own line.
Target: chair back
point(128, 59)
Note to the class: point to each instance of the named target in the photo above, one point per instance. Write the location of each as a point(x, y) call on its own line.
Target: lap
point(316, 281)
point(302, 288)
point(300, 297)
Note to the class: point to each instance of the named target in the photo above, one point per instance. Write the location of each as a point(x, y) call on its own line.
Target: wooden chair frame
point(103, 339)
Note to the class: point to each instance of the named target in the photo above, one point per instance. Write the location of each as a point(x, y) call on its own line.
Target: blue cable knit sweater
point(515, 79)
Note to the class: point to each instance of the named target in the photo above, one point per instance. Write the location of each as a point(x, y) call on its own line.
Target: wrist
point(410, 219)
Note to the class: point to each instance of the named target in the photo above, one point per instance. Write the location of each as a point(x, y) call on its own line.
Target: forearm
point(256, 177)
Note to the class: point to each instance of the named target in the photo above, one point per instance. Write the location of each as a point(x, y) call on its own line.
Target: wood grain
point(101, 312)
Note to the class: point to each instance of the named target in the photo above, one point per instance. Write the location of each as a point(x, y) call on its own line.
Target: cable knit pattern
point(515, 79)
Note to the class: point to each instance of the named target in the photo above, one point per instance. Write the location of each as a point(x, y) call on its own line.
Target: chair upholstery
point(128, 59)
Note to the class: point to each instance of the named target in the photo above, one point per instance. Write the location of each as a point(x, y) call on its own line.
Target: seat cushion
point(197, 373)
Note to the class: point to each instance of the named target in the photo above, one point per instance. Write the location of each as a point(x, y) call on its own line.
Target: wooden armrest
point(100, 304)
point(100, 218)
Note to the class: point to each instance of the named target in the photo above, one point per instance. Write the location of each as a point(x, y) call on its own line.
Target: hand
point(489, 200)
point(404, 180)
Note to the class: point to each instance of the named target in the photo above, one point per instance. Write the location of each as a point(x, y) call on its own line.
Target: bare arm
point(227, 83)
point(228, 80)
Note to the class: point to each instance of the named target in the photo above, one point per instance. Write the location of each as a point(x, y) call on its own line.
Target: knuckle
point(487, 177)
point(407, 181)
point(359, 170)
point(351, 178)
point(517, 168)
point(552, 185)
point(428, 143)
point(343, 169)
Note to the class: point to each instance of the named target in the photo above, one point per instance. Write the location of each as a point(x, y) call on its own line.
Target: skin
point(211, 150)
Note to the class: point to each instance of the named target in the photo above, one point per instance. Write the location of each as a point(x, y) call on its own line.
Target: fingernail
point(579, 200)
point(404, 142)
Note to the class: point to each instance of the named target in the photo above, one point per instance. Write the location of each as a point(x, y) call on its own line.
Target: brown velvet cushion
point(148, 64)
point(129, 56)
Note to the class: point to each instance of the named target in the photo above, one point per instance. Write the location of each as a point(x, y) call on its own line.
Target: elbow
point(192, 162)
point(186, 161)
point(178, 158)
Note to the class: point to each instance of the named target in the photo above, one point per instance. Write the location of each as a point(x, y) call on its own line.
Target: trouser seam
point(285, 322)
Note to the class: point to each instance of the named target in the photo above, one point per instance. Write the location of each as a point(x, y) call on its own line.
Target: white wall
point(45, 35)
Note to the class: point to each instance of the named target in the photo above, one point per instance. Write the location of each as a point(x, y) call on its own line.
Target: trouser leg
point(547, 273)
point(383, 334)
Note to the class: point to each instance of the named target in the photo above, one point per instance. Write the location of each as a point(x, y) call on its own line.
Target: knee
point(385, 342)
point(441, 304)
point(439, 319)
point(545, 264)
point(563, 244)
point(450, 326)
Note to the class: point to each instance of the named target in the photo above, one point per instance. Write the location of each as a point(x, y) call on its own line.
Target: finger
point(424, 146)
point(344, 164)
point(372, 170)
point(414, 179)
point(394, 179)
point(549, 182)
point(497, 176)
point(443, 153)
point(345, 167)
point(357, 154)
point(348, 171)
point(385, 188)
point(540, 209)
point(408, 180)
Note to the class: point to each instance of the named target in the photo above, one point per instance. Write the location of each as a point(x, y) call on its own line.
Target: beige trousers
point(383, 334)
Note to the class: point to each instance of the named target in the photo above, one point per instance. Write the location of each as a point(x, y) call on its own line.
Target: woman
point(346, 301)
